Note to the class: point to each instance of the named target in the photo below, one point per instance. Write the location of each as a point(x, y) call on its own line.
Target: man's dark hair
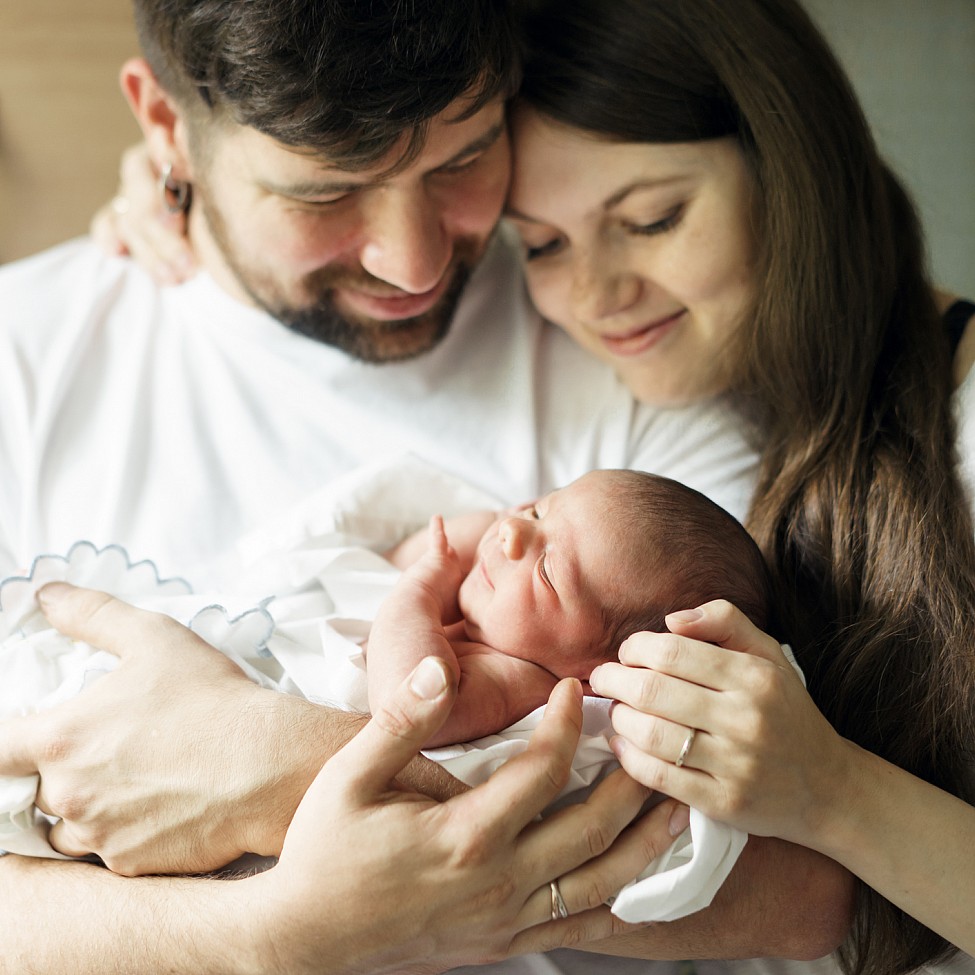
point(345, 77)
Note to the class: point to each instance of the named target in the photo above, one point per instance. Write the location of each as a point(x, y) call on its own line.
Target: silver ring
point(559, 910)
point(686, 747)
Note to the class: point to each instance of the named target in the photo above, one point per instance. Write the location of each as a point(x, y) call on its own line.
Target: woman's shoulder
point(958, 315)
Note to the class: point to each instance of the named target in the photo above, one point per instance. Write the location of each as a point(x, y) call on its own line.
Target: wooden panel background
point(63, 120)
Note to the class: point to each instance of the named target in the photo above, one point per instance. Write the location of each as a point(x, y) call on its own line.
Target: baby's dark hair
point(688, 551)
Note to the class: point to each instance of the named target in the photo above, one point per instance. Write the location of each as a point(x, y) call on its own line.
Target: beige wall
point(63, 121)
point(913, 65)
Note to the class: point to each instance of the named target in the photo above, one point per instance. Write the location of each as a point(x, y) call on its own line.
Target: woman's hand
point(763, 757)
point(136, 223)
point(374, 877)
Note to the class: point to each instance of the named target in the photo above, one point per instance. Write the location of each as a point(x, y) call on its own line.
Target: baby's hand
point(439, 571)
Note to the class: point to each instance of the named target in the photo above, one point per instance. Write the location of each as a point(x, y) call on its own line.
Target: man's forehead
point(448, 140)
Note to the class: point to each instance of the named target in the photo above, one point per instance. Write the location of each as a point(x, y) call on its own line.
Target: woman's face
point(642, 252)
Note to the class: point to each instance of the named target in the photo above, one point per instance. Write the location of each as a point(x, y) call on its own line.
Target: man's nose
point(404, 241)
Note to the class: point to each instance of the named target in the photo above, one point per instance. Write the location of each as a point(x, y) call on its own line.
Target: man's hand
point(398, 882)
point(173, 763)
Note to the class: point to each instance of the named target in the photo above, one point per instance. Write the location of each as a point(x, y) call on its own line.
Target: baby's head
point(562, 582)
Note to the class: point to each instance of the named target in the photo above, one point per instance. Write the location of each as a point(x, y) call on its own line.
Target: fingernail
point(48, 595)
point(680, 819)
point(685, 616)
point(429, 679)
point(618, 745)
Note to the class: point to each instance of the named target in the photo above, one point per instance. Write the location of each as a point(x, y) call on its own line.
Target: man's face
point(370, 263)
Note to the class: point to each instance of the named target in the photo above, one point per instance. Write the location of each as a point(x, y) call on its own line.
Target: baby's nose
point(510, 532)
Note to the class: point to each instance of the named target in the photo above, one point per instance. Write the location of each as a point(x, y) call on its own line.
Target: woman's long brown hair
point(844, 374)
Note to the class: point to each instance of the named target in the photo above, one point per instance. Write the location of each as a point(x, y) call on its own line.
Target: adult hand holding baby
point(397, 877)
point(173, 763)
point(762, 757)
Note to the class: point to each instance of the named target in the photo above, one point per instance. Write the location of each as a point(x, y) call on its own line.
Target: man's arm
point(175, 762)
point(456, 881)
point(780, 901)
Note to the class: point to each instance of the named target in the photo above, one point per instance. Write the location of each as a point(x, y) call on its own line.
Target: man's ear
point(159, 116)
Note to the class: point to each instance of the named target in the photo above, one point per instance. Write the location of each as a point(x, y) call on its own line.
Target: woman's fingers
point(651, 691)
point(136, 223)
point(721, 623)
point(667, 740)
point(63, 840)
point(692, 784)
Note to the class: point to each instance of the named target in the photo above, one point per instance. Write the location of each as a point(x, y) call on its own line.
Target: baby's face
point(535, 586)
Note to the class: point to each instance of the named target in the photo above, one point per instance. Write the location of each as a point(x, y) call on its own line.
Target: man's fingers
point(105, 622)
point(574, 835)
point(527, 783)
point(395, 734)
point(18, 754)
point(63, 840)
point(585, 890)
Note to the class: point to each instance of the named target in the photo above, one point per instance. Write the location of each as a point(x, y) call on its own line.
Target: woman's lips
point(638, 340)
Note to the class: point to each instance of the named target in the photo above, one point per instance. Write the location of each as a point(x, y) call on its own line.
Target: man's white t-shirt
point(173, 420)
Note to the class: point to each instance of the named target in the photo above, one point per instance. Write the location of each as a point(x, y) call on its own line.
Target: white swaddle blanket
point(319, 561)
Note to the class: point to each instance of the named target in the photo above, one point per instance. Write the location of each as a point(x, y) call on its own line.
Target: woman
point(702, 206)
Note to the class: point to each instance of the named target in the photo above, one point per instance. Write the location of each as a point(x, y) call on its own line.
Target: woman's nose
point(600, 290)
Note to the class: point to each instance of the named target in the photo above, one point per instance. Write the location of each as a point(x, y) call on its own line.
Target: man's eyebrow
point(478, 145)
point(339, 186)
point(311, 187)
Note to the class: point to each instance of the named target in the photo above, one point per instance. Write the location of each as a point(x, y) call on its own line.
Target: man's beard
point(372, 340)
point(367, 339)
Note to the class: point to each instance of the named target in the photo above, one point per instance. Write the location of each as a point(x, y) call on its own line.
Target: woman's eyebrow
point(642, 184)
point(615, 199)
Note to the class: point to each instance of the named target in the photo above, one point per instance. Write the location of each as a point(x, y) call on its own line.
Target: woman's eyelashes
point(533, 252)
point(658, 226)
point(552, 246)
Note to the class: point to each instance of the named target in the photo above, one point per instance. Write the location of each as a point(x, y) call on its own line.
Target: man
point(348, 165)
